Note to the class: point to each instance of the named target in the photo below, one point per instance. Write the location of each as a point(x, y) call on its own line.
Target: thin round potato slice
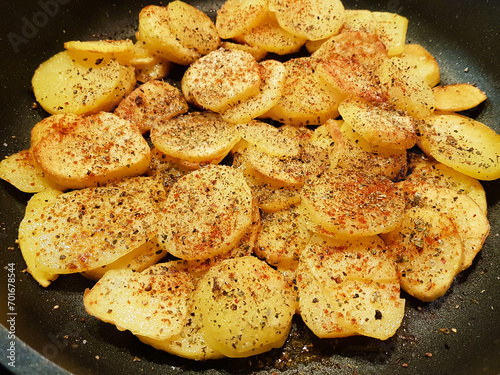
point(30, 234)
point(191, 27)
point(379, 125)
point(269, 36)
point(206, 213)
point(238, 17)
point(307, 99)
point(256, 52)
point(429, 252)
point(423, 62)
point(361, 20)
point(153, 303)
point(459, 97)
point(93, 150)
point(50, 124)
point(391, 29)
point(121, 50)
point(310, 19)
point(89, 228)
point(470, 220)
point(351, 203)
point(63, 84)
point(425, 171)
point(221, 79)
point(246, 307)
point(195, 136)
point(273, 74)
point(152, 103)
point(464, 144)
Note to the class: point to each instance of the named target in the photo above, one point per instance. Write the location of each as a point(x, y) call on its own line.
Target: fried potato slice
point(238, 17)
point(92, 150)
point(206, 213)
point(148, 66)
point(363, 300)
point(349, 77)
point(282, 238)
point(195, 136)
point(458, 97)
point(366, 49)
point(406, 89)
point(471, 221)
point(239, 295)
point(65, 84)
point(165, 169)
point(429, 252)
point(192, 27)
point(258, 53)
point(464, 144)
point(391, 29)
point(30, 234)
point(269, 139)
point(309, 19)
point(379, 125)
point(351, 203)
point(85, 229)
point(152, 103)
point(190, 342)
point(144, 256)
point(22, 171)
point(425, 171)
point(423, 62)
point(361, 20)
point(273, 75)
point(153, 303)
point(307, 99)
point(221, 79)
point(317, 152)
point(157, 36)
point(360, 155)
point(50, 124)
point(121, 50)
point(269, 36)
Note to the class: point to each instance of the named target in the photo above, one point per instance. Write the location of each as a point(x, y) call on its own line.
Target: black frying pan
point(457, 334)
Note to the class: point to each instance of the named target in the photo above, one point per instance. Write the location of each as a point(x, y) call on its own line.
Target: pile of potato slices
point(211, 213)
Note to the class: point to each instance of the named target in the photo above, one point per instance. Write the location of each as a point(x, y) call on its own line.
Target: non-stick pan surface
point(457, 334)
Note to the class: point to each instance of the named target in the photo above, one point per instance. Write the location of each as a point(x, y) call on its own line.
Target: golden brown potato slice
point(425, 171)
point(351, 203)
point(464, 144)
point(195, 136)
point(22, 171)
point(221, 79)
point(360, 155)
point(144, 256)
point(282, 238)
point(153, 303)
point(429, 252)
point(269, 36)
point(85, 229)
point(157, 36)
point(121, 50)
point(238, 17)
point(206, 213)
point(273, 74)
point(50, 124)
point(406, 88)
point(309, 19)
point(471, 221)
point(306, 100)
point(258, 53)
point(152, 103)
point(391, 29)
point(65, 84)
point(30, 234)
point(166, 169)
point(356, 283)
point(459, 97)
point(349, 77)
point(239, 295)
point(269, 139)
point(379, 125)
point(192, 27)
point(361, 20)
point(93, 150)
point(366, 49)
point(423, 62)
